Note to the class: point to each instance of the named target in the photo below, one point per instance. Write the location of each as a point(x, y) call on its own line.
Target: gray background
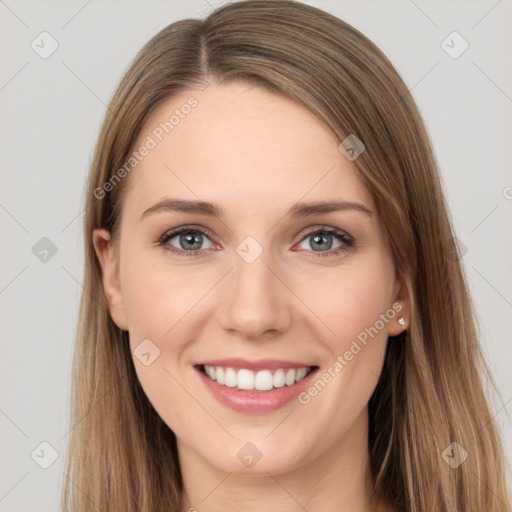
point(51, 113)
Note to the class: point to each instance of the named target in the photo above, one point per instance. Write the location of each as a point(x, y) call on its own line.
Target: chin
point(257, 457)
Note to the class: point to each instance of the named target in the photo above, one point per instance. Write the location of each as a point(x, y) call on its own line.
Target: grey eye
point(320, 241)
point(189, 240)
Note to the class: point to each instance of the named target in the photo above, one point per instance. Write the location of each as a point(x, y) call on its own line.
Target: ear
point(402, 307)
point(110, 275)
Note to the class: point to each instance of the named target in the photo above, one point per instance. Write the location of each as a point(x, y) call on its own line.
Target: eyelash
point(347, 240)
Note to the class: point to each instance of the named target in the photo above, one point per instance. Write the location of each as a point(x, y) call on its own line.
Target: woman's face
point(265, 281)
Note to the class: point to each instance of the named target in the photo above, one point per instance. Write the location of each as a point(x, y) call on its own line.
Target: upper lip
point(260, 364)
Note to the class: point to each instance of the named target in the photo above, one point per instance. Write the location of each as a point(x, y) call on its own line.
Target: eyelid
point(171, 233)
point(323, 227)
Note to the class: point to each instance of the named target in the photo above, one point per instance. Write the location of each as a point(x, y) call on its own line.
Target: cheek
point(158, 296)
point(352, 300)
point(161, 302)
point(355, 307)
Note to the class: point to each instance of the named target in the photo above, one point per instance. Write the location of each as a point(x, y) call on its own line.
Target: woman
point(273, 317)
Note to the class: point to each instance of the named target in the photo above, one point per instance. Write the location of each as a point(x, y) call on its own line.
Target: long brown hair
point(431, 393)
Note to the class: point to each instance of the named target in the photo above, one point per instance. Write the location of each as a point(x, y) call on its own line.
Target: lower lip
point(257, 402)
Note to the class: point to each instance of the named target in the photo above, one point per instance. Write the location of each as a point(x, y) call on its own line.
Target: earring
point(401, 321)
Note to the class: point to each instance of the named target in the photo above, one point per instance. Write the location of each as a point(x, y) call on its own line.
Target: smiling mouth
point(264, 380)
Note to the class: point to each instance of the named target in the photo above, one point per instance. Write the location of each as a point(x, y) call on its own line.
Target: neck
point(339, 479)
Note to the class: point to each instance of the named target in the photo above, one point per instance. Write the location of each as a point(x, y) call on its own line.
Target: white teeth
point(263, 380)
point(279, 380)
point(245, 379)
point(230, 378)
point(301, 373)
point(290, 377)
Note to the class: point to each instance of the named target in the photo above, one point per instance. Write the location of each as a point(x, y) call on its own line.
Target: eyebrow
point(298, 210)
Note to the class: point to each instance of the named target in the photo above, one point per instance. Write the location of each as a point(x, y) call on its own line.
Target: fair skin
point(255, 154)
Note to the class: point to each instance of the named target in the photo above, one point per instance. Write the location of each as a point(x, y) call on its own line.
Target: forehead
point(241, 146)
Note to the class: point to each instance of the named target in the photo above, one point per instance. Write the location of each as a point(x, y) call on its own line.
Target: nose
point(257, 304)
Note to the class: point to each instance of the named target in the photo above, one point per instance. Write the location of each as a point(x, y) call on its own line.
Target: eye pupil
point(319, 236)
point(188, 239)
